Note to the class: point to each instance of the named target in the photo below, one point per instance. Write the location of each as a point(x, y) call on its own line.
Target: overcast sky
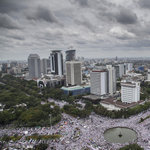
point(95, 28)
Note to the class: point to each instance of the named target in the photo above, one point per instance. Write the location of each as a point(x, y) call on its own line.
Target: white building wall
point(148, 74)
point(98, 83)
point(112, 79)
point(121, 70)
point(95, 83)
point(130, 92)
point(74, 72)
point(103, 83)
point(130, 67)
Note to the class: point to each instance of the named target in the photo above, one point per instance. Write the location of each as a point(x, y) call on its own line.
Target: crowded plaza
point(78, 134)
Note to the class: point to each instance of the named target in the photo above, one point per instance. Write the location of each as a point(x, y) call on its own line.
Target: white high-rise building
point(56, 62)
point(45, 65)
point(111, 79)
point(130, 91)
point(73, 72)
point(120, 70)
point(129, 66)
point(34, 66)
point(98, 80)
point(148, 74)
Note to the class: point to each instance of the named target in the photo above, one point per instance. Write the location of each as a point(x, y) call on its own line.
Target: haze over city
point(96, 29)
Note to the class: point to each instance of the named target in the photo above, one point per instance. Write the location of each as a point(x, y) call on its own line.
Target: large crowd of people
point(78, 134)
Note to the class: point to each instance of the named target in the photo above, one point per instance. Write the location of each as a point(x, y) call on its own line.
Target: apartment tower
point(34, 66)
point(73, 72)
point(99, 82)
point(56, 62)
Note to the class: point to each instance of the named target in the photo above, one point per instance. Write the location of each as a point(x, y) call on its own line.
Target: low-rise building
point(113, 104)
point(76, 90)
point(130, 91)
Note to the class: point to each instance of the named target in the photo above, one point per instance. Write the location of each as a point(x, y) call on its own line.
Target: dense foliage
point(41, 146)
point(134, 146)
point(7, 138)
point(43, 137)
point(143, 119)
point(99, 109)
point(39, 116)
point(76, 112)
point(21, 103)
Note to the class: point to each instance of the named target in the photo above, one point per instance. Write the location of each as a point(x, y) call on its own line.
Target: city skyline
point(95, 29)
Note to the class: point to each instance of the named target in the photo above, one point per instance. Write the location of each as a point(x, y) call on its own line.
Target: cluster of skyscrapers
point(54, 64)
point(102, 82)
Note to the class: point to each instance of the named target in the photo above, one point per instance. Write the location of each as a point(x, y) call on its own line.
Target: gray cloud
point(121, 33)
point(44, 13)
point(139, 44)
point(143, 3)
point(106, 26)
point(85, 22)
point(49, 35)
point(141, 31)
point(8, 22)
point(7, 6)
point(126, 16)
point(15, 36)
point(82, 3)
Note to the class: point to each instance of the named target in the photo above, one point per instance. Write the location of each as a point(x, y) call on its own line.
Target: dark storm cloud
point(82, 3)
point(44, 13)
point(143, 3)
point(110, 13)
point(141, 30)
point(7, 6)
point(126, 16)
point(8, 22)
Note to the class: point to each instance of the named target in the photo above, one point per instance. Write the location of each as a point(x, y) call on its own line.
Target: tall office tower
point(120, 70)
point(129, 66)
point(73, 72)
point(148, 74)
point(99, 82)
point(130, 91)
point(13, 64)
point(111, 79)
point(82, 58)
point(34, 66)
point(116, 58)
point(4, 67)
point(45, 65)
point(56, 62)
point(70, 55)
point(125, 68)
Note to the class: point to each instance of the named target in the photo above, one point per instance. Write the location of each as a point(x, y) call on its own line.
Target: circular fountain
point(120, 135)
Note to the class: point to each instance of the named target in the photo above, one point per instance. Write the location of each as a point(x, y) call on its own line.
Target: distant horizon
point(80, 56)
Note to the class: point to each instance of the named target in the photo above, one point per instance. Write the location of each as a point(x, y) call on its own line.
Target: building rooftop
point(113, 101)
point(72, 88)
point(92, 97)
point(54, 51)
